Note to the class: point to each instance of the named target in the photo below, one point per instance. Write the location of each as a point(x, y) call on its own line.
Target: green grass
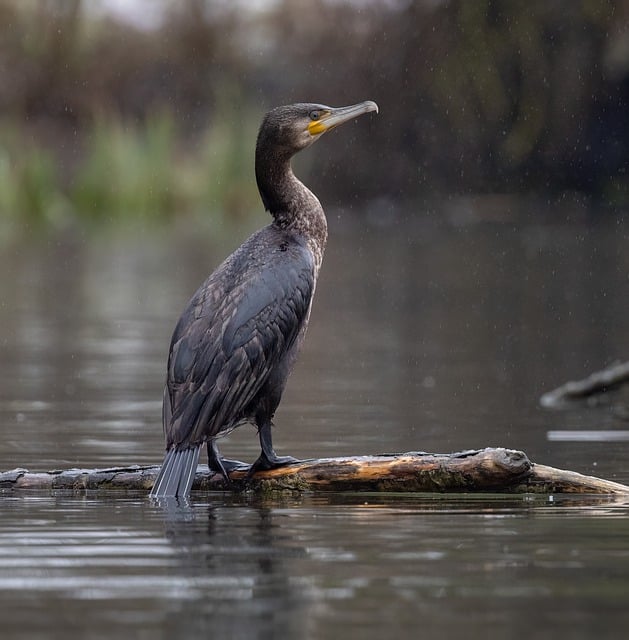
point(131, 171)
point(128, 170)
point(29, 186)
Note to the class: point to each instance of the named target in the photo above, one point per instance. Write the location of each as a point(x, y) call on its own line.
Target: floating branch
point(608, 379)
point(486, 470)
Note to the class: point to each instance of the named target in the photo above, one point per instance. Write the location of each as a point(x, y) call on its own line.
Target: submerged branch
point(608, 379)
point(487, 470)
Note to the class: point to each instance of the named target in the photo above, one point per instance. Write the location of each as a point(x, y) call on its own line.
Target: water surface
point(436, 332)
point(313, 567)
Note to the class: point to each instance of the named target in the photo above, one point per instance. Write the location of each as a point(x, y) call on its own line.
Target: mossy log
point(491, 470)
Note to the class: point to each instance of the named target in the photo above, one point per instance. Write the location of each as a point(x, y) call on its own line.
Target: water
point(426, 334)
point(313, 567)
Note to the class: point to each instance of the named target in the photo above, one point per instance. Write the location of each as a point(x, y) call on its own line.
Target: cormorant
point(237, 340)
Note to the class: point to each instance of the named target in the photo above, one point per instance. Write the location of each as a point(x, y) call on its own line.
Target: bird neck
point(293, 206)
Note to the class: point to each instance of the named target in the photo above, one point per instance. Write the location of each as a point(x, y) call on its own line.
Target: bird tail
point(177, 473)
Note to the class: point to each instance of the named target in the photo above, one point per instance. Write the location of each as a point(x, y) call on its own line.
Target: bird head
point(295, 127)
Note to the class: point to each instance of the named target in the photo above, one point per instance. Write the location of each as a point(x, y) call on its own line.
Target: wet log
point(597, 383)
point(492, 470)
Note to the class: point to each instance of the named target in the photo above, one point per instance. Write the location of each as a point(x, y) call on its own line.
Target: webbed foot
point(266, 463)
point(221, 465)
point(232, 465)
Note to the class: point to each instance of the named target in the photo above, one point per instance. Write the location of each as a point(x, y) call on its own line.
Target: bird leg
point(221, 465)
point(268, 458)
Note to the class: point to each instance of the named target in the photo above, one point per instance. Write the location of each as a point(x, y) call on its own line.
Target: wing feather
point(234, 333)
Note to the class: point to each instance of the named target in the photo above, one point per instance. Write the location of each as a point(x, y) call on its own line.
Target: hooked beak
point(333, 117)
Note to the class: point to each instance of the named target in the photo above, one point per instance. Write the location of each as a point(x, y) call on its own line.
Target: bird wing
point(230, 338)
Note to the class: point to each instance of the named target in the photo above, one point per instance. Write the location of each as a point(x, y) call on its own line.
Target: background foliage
point(155, 112)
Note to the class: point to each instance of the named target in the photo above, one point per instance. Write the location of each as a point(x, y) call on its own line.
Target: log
point(492, 470)
point(598, 382)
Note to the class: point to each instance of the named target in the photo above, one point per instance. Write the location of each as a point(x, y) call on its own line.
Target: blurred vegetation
point(155, 113)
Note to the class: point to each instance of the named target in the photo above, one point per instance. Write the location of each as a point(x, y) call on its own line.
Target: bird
point(238, 338)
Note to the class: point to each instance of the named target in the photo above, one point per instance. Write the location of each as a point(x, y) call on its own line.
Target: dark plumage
point(238, 338)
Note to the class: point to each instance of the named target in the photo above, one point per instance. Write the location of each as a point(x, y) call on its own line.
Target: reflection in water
point(242, 556)
point(313, 567)
point(588, 436)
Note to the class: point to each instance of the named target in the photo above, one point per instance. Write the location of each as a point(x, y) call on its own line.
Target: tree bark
point(485, 470)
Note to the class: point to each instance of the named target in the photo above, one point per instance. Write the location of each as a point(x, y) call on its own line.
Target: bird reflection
point(237, 559)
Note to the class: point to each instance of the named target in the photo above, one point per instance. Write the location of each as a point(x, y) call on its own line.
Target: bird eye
point(315, 115)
